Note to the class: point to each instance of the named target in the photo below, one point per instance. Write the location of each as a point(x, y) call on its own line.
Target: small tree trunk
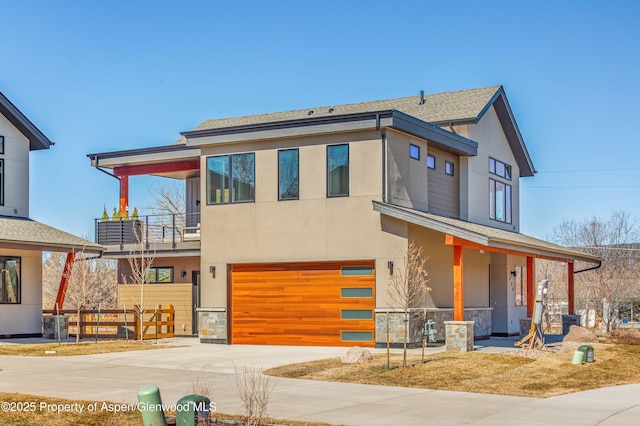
point(404, 340)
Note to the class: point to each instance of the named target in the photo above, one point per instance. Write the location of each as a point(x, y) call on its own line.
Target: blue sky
point(101, 76)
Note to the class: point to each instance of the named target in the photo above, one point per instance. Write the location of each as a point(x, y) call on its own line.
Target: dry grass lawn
point(82, 348)
point(500, 374)
point(49, 417)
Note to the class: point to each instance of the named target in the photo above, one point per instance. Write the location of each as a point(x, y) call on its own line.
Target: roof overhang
point(175, 161)
point(509, 127)
point(482, 237)
point(27, 234)
point(336, 124)
point(37, 139)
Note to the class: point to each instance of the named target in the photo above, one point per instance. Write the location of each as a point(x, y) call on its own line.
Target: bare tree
point(140, 262)
point(254, 389)
point(408, 286)
point(615, 240)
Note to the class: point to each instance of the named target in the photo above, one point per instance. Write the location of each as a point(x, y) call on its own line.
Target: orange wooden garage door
point(315, 304)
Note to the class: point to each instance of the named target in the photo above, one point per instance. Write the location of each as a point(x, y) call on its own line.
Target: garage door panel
point(301, 303)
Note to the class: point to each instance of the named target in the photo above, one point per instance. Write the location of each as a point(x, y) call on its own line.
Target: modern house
point(23, 240)
point(295, 221)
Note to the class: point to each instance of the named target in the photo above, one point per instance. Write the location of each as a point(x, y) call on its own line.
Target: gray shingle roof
point(462, 105)
point(29, 233)
point(492, 237)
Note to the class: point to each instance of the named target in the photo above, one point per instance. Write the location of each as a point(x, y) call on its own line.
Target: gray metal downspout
point(383, 138)
point(104, 171)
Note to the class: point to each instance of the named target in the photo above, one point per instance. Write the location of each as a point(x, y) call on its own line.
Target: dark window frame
point(348, 171)
point(1, 144)
point(429, 156)
point(297, 197)
point(507, 204)
point(449, 165)
point(411, 155)
point(3, 259)
point(156, 280)
point(493, 169)
point(230, 180)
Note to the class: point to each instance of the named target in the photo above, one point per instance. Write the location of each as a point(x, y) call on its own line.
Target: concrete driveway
point(117, 377)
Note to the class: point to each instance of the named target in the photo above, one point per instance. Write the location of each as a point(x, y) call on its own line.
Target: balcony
point(162, 234)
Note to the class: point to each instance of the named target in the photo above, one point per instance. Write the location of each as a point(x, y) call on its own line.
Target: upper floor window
point(10, 280)
point(231, 178)
point(160, 275)
point(1, 144)
point(499, 168)
point(338, 171)
point(288, 174)
point(448, 168)
point(414, 151)
point(431, 162)
point(499, 201)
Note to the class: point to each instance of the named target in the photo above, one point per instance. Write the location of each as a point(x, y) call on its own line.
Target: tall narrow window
point(1, 144)
point(431, 162)
point(288, 174)
point(521, 286)
point(10, 280)
point(1, 182)
point(338, 171)
point(243, 171)
point(448, 168)
point(500, 201)
point(231, 173)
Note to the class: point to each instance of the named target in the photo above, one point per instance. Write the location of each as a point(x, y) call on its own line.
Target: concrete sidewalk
point(117, 377)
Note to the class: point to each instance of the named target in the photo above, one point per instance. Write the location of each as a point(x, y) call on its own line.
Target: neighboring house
point(23, 240)
point(296, 220)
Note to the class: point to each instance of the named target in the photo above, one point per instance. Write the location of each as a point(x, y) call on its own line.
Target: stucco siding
point(26, 317)
point(312, 228)
point(407, 177)
point(16, 171)
point(475, 187)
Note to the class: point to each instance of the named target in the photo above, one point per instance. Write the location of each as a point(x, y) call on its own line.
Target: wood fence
point(157, 323)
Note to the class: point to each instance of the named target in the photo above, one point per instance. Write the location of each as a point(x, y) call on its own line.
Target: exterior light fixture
point(212, 270)
point(390, 266)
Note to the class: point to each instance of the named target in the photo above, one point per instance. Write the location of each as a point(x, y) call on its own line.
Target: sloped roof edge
point(482, 234)
point(37, 139)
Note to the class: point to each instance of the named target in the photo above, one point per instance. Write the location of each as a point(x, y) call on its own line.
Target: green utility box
point(193, 410)
point(588, 352)
point(150, 406)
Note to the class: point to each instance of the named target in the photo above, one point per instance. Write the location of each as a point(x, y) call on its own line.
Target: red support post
point(531, 295)
point(124, 194)
point(571, 289)
point(64, 281)
point(458, 284)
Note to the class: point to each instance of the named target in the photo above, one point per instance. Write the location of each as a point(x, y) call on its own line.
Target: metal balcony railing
point(150, 229)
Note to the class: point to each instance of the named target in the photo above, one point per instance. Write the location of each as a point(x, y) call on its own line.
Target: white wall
point(16, 171)
point(474, 185)
point(26, 317)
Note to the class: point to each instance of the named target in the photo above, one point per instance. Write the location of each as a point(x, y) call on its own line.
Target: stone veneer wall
point(212, 325)
point(50, 326)
point(481, 318)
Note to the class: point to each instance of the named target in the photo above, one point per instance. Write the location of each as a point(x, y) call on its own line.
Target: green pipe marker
point(150, 406)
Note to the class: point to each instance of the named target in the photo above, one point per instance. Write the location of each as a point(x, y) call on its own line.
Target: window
point(235, 172)
point(414, 151)
point(10, 280)
point(1, 182)
point(361, 271)
point(338, 171)
point(448, 168)
point(160, 275)
point(499, 201)
point(431, 162)
point(288, 174)
point(499, 168)
point(1, 144)
point(521, 286)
